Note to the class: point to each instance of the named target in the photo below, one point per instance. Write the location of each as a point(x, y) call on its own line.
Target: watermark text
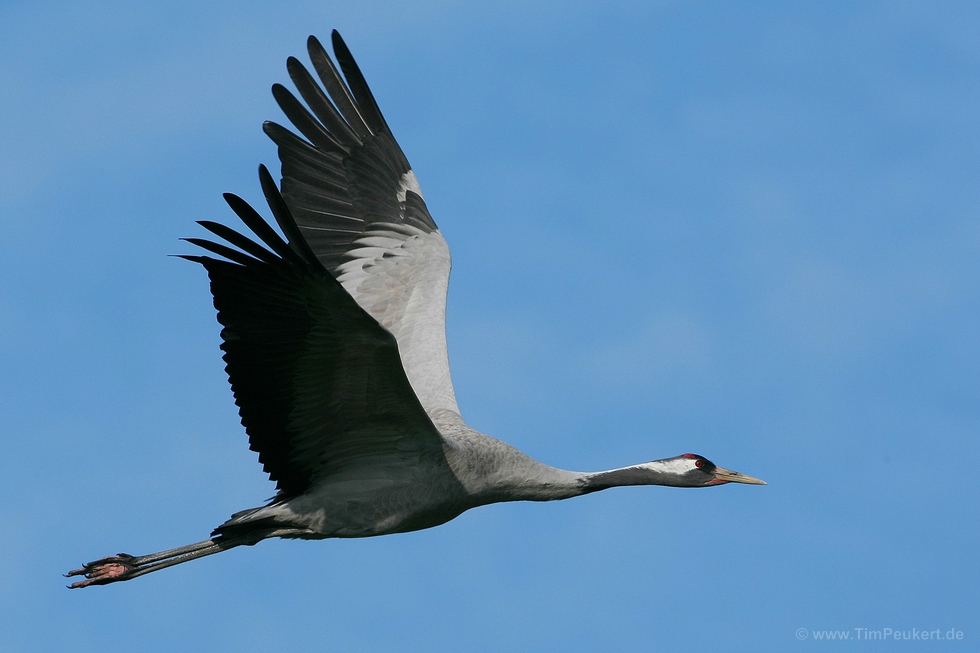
point(882, 634)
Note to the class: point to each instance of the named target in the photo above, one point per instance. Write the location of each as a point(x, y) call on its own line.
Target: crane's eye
point(698, 463)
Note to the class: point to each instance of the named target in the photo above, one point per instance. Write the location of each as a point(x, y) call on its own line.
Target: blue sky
point(749, 230)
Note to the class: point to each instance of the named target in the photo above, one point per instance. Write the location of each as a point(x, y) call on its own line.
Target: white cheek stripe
point(675, 466)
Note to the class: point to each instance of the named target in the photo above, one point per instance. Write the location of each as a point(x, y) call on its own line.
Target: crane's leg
point(124, 566)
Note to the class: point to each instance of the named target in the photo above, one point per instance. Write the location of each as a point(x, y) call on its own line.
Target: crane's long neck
point(540, 482)
point(657, 472)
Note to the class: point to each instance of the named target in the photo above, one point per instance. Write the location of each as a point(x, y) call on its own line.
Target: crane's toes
point(107, 570)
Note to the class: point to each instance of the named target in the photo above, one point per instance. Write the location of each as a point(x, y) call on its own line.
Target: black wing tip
point(278, 133)
point(314, 48)
point(233, 255)
point(238, 205)
point(294, 66)
point(283, 216)
point(344, 56)
point(194, 258)
point(269, 188)
point(340, 48)
point(271, 127)
point(259, 226)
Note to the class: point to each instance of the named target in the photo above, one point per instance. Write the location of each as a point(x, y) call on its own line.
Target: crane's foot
point(107, 570)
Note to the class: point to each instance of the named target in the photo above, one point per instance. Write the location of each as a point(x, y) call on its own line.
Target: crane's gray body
point(473, 470)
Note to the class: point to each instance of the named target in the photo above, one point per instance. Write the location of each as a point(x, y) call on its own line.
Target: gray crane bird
point(334, 341)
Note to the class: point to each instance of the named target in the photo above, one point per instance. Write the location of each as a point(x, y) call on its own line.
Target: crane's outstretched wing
point(359, 207)
point(318, 382)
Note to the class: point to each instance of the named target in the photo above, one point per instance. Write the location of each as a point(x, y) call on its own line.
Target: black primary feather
point(319, 383)
point(349, 176)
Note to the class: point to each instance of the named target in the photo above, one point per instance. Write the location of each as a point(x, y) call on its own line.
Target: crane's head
point(692, 470)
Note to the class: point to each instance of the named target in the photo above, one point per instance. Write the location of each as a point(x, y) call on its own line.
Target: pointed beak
point(722, 475)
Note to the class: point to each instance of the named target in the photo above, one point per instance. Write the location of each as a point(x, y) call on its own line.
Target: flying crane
point(334, 342)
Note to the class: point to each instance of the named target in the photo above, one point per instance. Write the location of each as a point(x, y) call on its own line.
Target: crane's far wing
point(358, 205)
point(318, 382)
